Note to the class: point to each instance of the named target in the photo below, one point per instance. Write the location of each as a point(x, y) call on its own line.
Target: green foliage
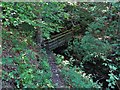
point(31, 13)
point(21, 67)
point(90, 47)
point(90, 44)
point(17, 13)
point(107, 22)
point(112, 76)
point(74, 78)
point(59, 59)
point(101, 43)
point(95, 27)
point(26, 73)
point(116, 51)
point(53, 18)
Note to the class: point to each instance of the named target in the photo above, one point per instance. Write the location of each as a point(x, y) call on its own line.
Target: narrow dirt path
point(56, 78)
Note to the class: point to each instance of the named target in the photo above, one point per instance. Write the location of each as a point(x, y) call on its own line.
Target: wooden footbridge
point(51, 44)
point(58, 40)
point(55, 42)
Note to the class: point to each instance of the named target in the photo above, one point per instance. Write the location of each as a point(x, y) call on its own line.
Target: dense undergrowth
point(23, 65)
point(98, 51)
point(74, 77)
point(91, 60)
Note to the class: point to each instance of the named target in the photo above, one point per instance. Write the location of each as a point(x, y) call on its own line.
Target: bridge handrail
point(58, 37)
point(61, 33)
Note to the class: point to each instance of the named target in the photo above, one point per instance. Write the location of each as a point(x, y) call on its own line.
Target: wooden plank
point(58, 44)
point(67, 37)
point(57, 37)
point(66, 31)
point(58, 40)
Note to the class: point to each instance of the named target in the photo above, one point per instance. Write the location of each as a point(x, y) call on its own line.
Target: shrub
point(74, 78)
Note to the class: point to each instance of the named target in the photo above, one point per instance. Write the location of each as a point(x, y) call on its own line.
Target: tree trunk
point(38, 34)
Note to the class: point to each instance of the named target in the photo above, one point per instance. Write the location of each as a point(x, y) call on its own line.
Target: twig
point(100, 79)
point(117, 85)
